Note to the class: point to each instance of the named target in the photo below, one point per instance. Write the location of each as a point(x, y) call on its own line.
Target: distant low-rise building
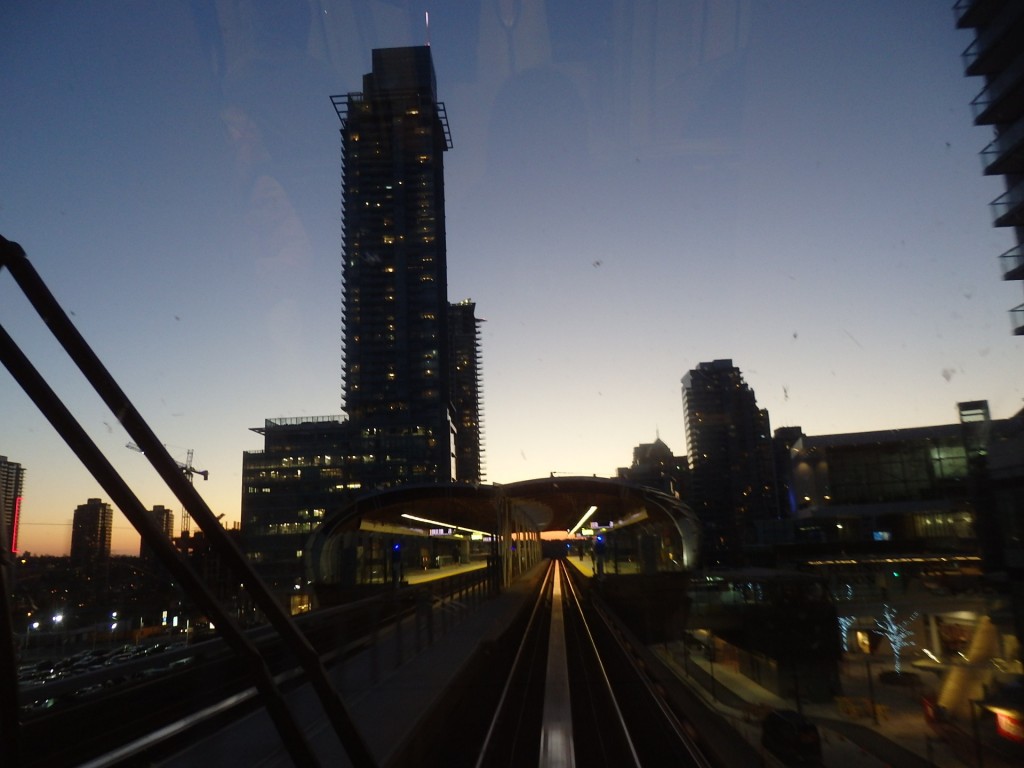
point(655, 466)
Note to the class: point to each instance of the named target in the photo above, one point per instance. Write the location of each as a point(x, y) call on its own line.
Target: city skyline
point(802, 196)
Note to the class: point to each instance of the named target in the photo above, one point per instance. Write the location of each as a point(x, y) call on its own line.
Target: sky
point(633, 188)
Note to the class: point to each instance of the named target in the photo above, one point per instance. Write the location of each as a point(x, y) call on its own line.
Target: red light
point(14, 526)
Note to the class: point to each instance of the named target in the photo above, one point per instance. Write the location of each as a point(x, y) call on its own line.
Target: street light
point(871, 689)
point(28, 631)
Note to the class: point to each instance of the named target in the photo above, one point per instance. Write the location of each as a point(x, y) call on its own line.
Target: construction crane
point(189, 471)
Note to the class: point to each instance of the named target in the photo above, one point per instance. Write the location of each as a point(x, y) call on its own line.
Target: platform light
point(583, 520)
point(439, 524)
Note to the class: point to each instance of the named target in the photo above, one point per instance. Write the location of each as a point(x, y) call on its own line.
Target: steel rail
point(574, 595)
point(557, 749)
point(503, 699)
point(700, 760)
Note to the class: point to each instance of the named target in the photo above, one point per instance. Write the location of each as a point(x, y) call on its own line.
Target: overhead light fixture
point(583, 519)
point(439, 524)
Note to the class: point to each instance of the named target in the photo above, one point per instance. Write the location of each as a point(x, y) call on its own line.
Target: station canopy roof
point(549, 504)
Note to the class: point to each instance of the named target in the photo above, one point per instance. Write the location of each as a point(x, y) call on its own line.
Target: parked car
point(791, 737)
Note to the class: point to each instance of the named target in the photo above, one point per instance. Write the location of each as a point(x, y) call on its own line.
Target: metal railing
point(1013, 263)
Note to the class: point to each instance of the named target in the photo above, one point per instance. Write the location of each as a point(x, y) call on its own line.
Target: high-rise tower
point(91, 529)
point(729, 449)
point(410, 400)
point(464, 354)
point(997, 55)
point(12, 481)
point(397, 377)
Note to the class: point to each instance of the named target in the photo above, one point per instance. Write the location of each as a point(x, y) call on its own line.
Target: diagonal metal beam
point(10, 731)
point(13, 257)
point(92, 458)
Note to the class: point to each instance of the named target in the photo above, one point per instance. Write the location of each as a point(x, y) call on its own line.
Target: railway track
point(576, 696)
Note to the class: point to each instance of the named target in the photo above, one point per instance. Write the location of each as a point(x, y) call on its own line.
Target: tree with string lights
point(845, 622)
point(896, 632)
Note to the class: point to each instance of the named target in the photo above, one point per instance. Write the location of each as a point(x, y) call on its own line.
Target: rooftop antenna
point(426, 17)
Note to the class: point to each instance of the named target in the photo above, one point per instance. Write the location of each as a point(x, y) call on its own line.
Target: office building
point(997, 56)
point(729, 452)
point(924, 518)
point(12, 484)
point(307, 467)
point(91, 529)
point(895, 492)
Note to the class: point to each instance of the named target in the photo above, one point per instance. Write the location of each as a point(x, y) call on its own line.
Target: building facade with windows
point(880, 490)
point(936, 505)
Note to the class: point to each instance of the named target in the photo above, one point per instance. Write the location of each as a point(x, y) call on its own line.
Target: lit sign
point(881, 535)
point(440, 531)
point(1009, 727)
point(14, 525)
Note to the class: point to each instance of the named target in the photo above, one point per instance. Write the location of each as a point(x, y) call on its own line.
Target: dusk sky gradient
point(634, 188)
